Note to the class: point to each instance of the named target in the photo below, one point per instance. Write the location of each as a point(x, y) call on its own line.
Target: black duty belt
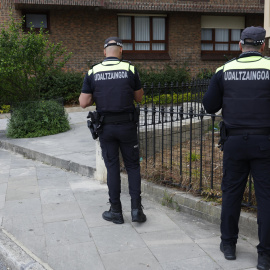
point(248, 131)
point(118, 118)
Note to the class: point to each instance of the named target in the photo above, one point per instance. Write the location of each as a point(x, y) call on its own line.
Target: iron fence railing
point(179, 140)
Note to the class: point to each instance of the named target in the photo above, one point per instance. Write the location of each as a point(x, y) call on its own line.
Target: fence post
point(152, 91)
point(177, 106)
point(145, 92)
point(171, 115)
point(187, 93)
point(181, 112)
point(138, 124)
point(166, 100)
point(201, 146)
point(154, 134)
point(172, 93)
point(159, 121)
point(162, 134)
point(145, 117)
point(190, 147)
point(213, 117)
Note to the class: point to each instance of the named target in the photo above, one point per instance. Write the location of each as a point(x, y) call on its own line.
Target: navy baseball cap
point(118, 42)
point(257, 34)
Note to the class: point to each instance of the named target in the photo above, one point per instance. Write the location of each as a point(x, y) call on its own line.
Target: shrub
point(167, 75)
point(167, 99)
point(66, 85)
point(36, 119)
point(25, 60)
point(4, 108)
point(205, 73)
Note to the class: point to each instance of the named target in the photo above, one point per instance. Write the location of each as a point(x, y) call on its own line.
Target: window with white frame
point(142, 33)
point(218, 40)
point(221, 34)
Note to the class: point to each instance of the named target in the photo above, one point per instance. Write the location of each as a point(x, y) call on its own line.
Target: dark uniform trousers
point(124, 137)
point(244, 154)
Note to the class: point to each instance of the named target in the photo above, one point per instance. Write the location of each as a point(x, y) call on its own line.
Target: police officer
point(241, 88)
point(114, 85)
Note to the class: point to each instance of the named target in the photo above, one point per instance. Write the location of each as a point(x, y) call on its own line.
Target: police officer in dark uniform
point(114, 85)
point(241, 88)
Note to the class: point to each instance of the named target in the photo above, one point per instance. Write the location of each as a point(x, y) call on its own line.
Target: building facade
point(197, 33)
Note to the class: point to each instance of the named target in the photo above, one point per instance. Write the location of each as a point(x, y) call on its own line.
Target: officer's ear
point(262, 47)
point(105, 52)
point(240, 46)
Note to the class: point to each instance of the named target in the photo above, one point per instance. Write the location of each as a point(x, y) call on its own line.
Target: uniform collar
point(251, 53)
point(112, 59)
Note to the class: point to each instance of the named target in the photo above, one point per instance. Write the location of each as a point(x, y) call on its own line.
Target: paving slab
point(115, 238)
point(61, 212)
point(202, 263)
point(66, 232)
point(134, 259)
point(82, 256)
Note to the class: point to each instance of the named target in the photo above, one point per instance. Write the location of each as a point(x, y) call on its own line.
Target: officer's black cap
point(118, 42)
point(257, 34)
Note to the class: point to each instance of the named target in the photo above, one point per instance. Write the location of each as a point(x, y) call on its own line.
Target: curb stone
point(18, 257)
point(50, 160)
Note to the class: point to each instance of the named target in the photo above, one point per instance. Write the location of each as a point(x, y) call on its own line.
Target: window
point(143, 33)
point(220, 40)
point(36, 20)
point(220, 36)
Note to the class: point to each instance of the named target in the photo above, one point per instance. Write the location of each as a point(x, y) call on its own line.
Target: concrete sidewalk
point(51, 218)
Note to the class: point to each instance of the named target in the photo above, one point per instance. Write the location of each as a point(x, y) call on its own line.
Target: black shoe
point(114, 214)
point(263, 261)
point(228, 250)
point(136, 211)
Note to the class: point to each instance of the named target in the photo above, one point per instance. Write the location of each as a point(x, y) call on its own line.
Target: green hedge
point(4, 108)
point(26, 59)
point(168, 74)
point(66, 85)
point(167, 99)
point(36, 119)
point(205, 73)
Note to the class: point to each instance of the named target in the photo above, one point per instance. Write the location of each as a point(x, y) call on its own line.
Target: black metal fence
point(179, 140)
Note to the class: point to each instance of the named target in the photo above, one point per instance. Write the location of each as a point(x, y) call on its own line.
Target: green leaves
point(167, 74)
point(35, 119)
point(164, 99)
point(62, 84)
point(26, 58)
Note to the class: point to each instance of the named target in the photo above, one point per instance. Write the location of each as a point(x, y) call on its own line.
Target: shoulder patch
point(131, 67)
point(230, 60)
point(95, 64)
point(91, 69)
point(220, 68)
point(126, 61)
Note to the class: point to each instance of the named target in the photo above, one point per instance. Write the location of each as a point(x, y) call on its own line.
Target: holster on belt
point(94, 123)
point(223, 135)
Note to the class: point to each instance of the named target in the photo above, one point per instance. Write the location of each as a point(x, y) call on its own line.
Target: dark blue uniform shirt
point(241, 88)
point(89, 85)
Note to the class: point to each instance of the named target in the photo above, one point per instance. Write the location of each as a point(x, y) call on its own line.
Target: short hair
point(251, 47)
